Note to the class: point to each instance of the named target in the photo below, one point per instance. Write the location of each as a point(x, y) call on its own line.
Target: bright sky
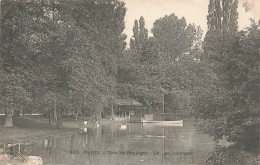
point(194, 11)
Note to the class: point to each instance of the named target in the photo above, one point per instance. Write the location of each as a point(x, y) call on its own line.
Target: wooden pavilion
point(126, 110)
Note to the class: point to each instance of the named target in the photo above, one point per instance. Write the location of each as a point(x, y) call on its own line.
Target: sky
point(194, 11)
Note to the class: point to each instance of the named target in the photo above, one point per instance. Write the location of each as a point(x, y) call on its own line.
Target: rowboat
point(177, 122)
point(165, 122)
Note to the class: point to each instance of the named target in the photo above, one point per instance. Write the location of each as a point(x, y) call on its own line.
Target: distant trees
point(152, 69)
point(140, 68)
point(60, 55)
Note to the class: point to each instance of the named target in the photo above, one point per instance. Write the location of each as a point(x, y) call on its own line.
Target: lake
point(143, 144)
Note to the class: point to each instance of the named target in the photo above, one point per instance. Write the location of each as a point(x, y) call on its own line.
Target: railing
point(13, 150)
point(168, 116)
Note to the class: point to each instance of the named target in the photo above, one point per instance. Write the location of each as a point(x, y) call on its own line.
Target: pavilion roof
point(127, 102)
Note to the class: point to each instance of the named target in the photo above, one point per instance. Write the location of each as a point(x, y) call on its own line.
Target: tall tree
point(222, 25)
point(48, 45)
point(140, 36)
point(174, 36)
point(232, 109)
point(143, 32)
point(102, 23)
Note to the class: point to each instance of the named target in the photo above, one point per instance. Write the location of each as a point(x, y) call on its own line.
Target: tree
point(140, 36)
point(149, 69)
point(140, 77)
point(230, 109)
point(143, 32)
point(178, 102)
point(100, 43)
point(54, 49)
point(134, 41)
point(222, 27)
point(17, 73)
point(175, 37)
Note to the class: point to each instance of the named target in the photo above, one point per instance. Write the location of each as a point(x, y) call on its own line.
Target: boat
point(177, 122)
point(165, 122)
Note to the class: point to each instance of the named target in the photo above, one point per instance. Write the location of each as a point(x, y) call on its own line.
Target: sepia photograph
point(129, 82)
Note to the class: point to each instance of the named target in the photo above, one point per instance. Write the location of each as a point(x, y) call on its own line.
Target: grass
point(36, 128)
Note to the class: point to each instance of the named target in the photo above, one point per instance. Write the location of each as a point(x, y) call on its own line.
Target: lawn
point(35, 128)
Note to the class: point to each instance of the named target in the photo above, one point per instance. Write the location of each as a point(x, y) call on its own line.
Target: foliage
point(140, 36)
point(230, 110)
point(149, 69)
point(140, 80)
point(231, 155)
point(178, 101)
point(175, 37)
point(54, 49)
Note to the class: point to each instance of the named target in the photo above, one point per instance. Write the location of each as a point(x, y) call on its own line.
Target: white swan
point(45, 143)
point(85, 130)
point(85, 122)
point(123, 127)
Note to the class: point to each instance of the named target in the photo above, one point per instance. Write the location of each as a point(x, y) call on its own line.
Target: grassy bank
point(30, 129)
point(37, 128)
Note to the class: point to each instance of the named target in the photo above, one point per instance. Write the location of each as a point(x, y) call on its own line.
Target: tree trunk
point(55, 112)
point(112, 112)
point(55, 116)
point(5, 107)
point(23, 113)
point(16, 117)
point(59, 118)
point(49, 117)
point(8, 120)
point(8, 116)
point(77, 113)
point(77, 116)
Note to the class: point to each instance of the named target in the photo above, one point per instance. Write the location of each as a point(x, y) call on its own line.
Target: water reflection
point(137, 144)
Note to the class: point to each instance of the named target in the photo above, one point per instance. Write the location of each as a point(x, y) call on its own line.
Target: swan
point(45, 143)
point(85, 122)
point(123, 127)
point(85, 130)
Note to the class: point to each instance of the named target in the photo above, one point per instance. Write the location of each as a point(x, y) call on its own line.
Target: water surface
point(144, 144)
